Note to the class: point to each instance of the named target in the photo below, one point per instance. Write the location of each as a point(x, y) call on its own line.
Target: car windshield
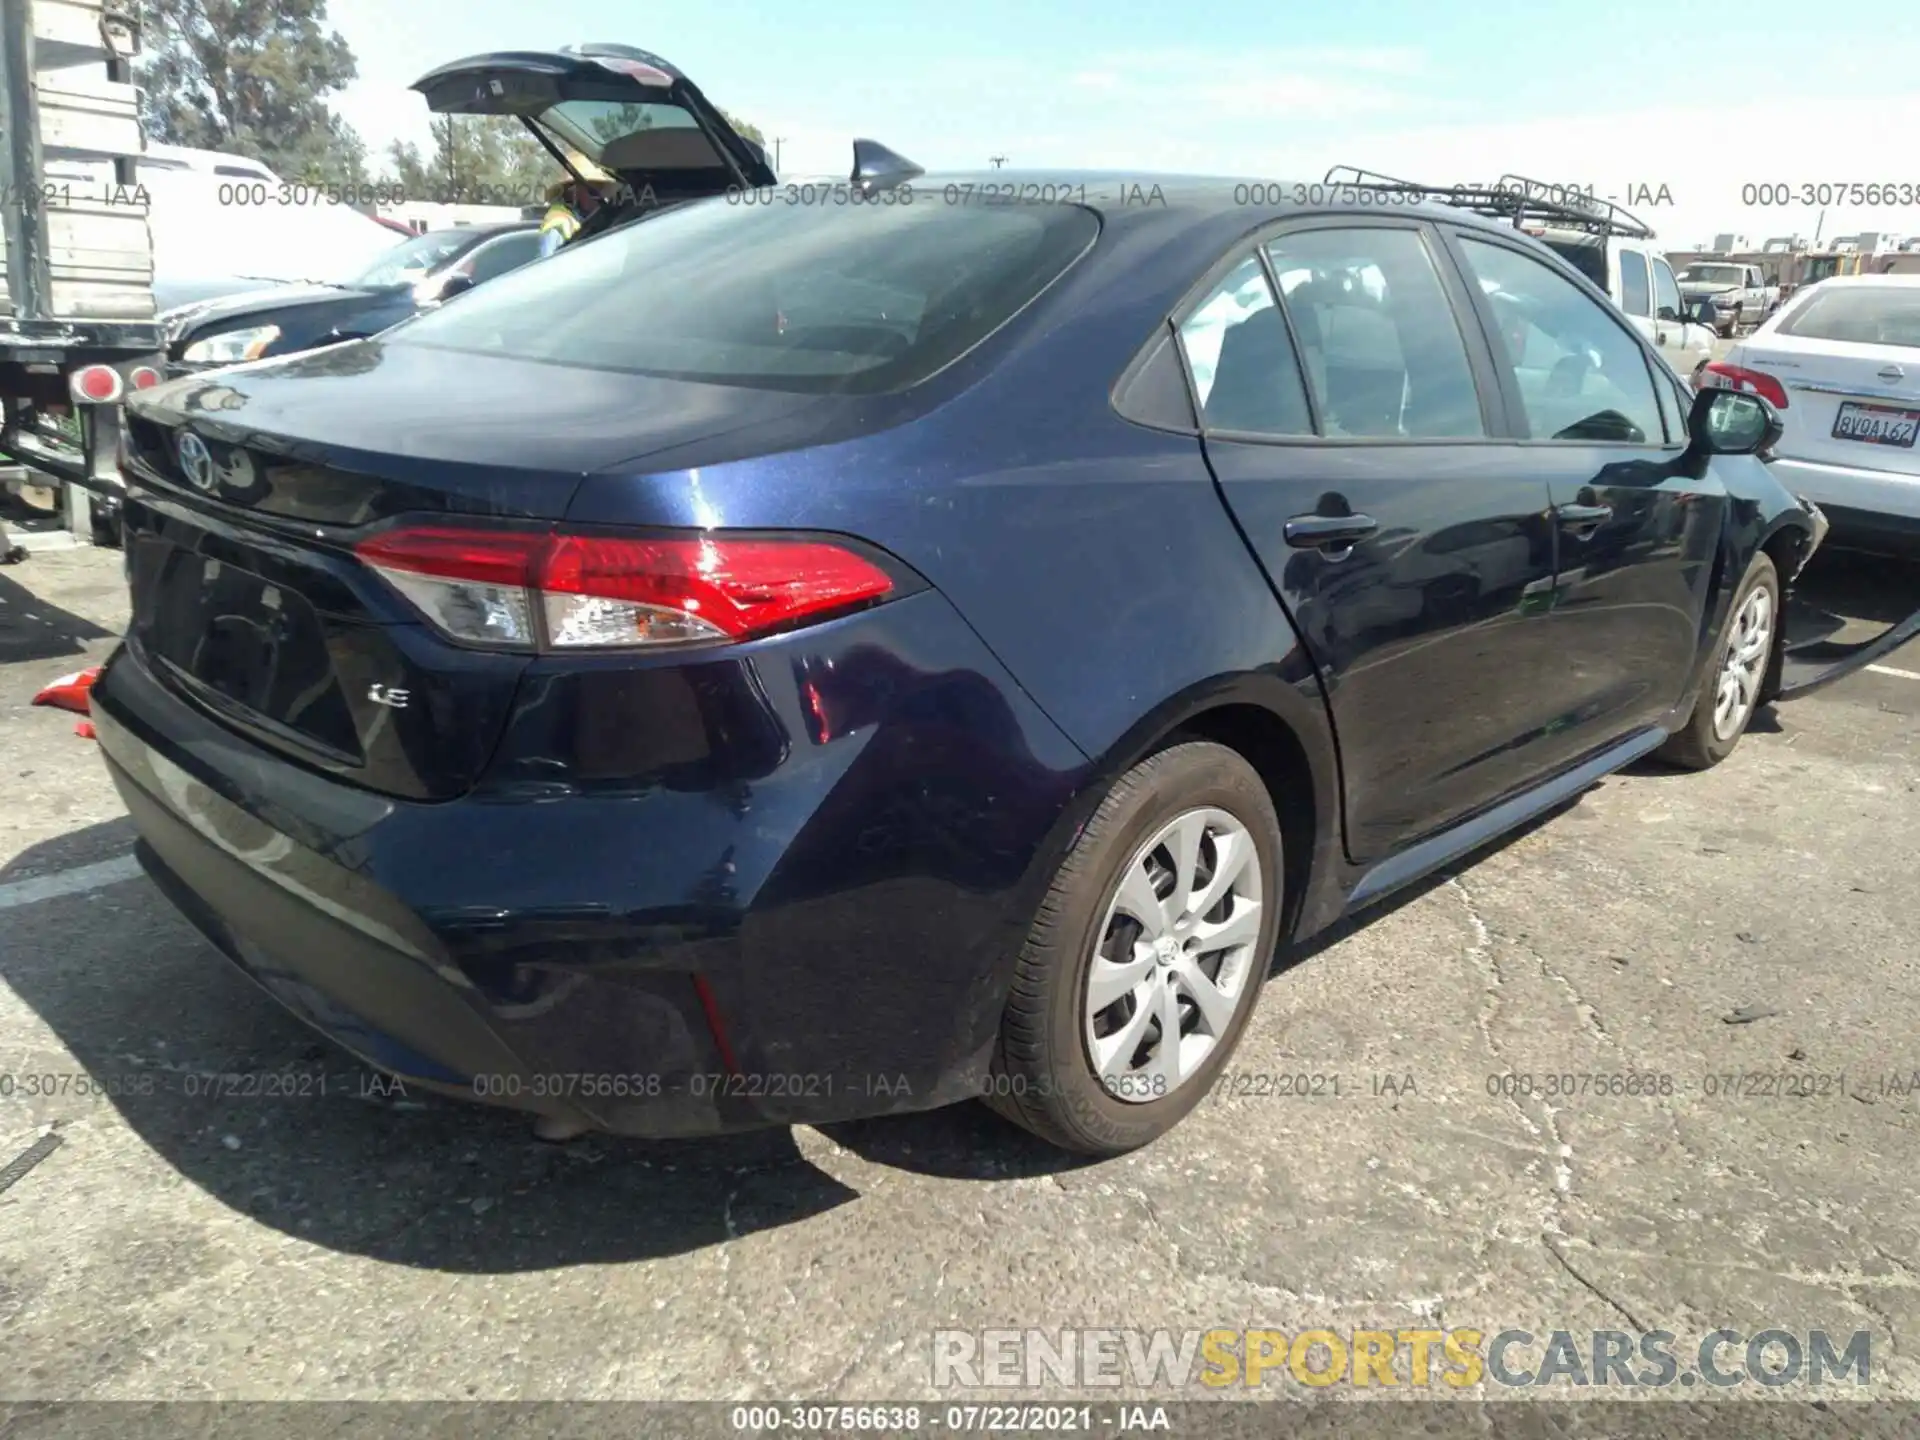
point(780, 295)
point(412, 260)
point(1859, 315)
point(1713, 274)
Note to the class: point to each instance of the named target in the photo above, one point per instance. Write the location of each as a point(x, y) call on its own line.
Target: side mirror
point(1702, 313)
point(1732, 422)
point(1667, 312)
point(455, 285)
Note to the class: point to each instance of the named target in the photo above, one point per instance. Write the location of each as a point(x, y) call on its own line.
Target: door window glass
point(1666, 294)
point(1580, 374)
point(497, 257)
point(1377, 334)
point(1244, 372)
point(1634, 296)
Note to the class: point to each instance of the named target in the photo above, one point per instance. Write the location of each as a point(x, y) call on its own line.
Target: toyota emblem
point(196, 461)
point(1893, 372)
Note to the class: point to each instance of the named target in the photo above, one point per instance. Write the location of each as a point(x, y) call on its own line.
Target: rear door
point(1637, 537)
point(628, 111)
point(1848, 356)
point(1351, 433)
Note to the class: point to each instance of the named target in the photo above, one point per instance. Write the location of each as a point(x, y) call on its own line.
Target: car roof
point(1906, 281)
point(1123, 196)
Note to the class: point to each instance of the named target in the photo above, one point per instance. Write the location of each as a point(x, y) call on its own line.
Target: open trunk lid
point(626, 110)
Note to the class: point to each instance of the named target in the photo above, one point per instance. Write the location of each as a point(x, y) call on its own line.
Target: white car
point(1840, 361)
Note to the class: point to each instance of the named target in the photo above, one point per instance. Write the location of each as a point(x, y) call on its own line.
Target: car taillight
point(568, 592)
point(144, 377)
point(1719, 374)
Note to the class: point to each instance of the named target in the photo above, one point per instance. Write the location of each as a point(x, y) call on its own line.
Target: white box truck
point(77, 326)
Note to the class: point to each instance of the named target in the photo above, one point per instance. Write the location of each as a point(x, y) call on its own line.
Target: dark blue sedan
point(283, 319)
point(809, 655)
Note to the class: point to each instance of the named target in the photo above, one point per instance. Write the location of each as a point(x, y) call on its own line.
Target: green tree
point(476, 160)
point(250, 77)
point(745, 127)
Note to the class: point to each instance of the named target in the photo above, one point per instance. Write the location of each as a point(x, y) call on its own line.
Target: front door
point(1637, 537)
point(1351, 433)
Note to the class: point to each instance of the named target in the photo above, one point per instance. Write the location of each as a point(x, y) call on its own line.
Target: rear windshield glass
point(783, 295)
point(625, 135)
point(1859, 314)
point(1713, 275)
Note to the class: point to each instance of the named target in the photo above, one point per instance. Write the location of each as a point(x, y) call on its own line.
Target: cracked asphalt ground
point(365, 1245)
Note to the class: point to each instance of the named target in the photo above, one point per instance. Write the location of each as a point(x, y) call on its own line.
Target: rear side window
point(1635, 290)
point(1241, 359)
point(1859, 315)
point(1377, 335)
point(779, 295)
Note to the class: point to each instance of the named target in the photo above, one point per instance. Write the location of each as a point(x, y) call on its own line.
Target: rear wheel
point(1732, 690)
point(1145, 959)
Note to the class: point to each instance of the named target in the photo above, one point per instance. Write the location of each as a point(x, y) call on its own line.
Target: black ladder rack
point(1513, 198)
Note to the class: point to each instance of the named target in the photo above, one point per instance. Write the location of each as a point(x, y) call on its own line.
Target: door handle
point(1583, 520)
point(1329, 532)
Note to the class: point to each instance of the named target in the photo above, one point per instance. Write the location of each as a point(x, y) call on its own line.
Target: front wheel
point(1732, 690)
point(1144, 961)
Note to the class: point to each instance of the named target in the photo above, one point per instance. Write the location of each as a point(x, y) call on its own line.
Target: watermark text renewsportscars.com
point(1441, 1361)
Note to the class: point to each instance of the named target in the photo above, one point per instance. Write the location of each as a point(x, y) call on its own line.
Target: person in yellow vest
point(569, 202)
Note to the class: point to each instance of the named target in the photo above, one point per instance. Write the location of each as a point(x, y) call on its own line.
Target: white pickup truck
point(1737, 293)
point(77, 325)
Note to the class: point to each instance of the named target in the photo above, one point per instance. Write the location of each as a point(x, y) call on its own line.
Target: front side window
point(1579, 373)
point(1241, 360)
point(1377, 334)
point(1635, 291)
point(1666, 294)
point(779, 295)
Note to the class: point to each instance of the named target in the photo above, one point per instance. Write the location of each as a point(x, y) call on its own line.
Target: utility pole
point(778, 141)
point(996, 161)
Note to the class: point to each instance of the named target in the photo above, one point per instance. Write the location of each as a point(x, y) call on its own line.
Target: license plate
point(1877, 425)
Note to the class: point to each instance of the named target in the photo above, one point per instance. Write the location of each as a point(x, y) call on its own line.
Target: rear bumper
point(1850, 493)
point(830, 941)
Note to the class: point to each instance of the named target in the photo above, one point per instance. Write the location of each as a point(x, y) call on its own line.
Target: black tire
point(1043, 1077)
point(1696, 746)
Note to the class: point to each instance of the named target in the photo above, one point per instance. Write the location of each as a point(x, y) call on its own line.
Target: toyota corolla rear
point(1842, 366)
point(457, 714)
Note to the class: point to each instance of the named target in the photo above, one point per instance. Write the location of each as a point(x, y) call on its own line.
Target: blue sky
point(1702, 100)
